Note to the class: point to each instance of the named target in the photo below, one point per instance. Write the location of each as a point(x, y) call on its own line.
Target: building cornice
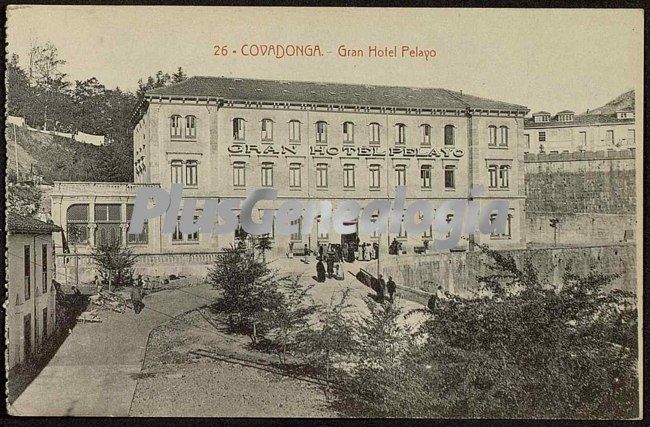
point(313, 106)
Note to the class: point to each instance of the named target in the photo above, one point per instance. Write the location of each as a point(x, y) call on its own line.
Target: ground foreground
point(101, 368)
point(177, 381)
point(94, 372)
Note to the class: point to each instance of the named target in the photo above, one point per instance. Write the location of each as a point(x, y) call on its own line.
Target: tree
point(18, 90)
point(250, 291)
point(115, 263)
point(179, 76)
point(45, 67)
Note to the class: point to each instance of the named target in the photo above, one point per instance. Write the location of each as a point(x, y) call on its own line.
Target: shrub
point(115, 263)
point(250, 290)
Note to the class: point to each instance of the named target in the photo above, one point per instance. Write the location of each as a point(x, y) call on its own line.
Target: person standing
point(381, 288)
point(320, 271)
point(391, 287)
point(136, 298)
point(98, 284)
point(330, 264)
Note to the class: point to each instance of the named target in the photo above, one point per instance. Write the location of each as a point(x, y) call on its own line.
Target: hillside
point(625, 100)
point(56, 158)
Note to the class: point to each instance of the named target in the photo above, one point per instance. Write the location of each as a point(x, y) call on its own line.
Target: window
point(492, 169)
point(77, 224)
point(321, 175)
point(294, 131)
point(401, 133)
point(108, 218)
point(348, 132)
point(400, 174)
point(582, 140)
point(267, 174)
point(238, 126)
point(320, 232)
point(321, 132)
point(541, 137)
point(527, 136)
point(492, 134)
point(44, 280)
point(375, 176)
point(27, 258)
point(175, 127)
point(426, 134)
point(425, 176)
point(375, 234)
point(194, 237)
point(267, 130)
point(503, 176)
point(450, 181)
point(374, 133)
point(141, 238)
point(348, 176)
point(191, 173)
point(449, 219)
point(178, 236)
point(508, 231)
point(190, 127)
point(631, 136)
point(294, 175)
point(239, 174)
point(297, 236)
point(503, 132)
point(45, 322)
point(177, 171)
point(450, 135)
point(609, 137)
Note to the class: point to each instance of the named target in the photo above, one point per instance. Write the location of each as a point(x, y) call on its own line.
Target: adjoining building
point(31, 295)
point(611, 127)
point(225, 137)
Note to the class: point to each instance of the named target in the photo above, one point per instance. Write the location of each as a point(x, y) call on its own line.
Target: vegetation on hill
point(625, 100)
point(44, 96)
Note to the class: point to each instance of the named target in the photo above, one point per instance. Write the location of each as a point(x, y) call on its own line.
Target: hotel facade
point(224, 137)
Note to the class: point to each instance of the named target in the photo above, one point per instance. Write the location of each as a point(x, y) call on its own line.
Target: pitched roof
point(19, 224)
point(580, 120)
point(328, 93)
point(566, 112)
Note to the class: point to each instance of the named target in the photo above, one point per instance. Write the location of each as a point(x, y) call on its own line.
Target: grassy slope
point(55, 157)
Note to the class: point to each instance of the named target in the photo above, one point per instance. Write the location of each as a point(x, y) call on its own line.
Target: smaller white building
point(31, 297)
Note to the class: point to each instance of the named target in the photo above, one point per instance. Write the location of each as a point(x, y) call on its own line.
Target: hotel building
point(225, 137)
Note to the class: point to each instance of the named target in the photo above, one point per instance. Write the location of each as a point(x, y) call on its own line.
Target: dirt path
point(94, 371)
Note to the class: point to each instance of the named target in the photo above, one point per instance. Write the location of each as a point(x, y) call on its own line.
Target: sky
point(545, 59)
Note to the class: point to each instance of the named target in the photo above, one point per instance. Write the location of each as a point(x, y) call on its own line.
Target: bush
point(250, 291)
point(115, 263)
point(528, 349)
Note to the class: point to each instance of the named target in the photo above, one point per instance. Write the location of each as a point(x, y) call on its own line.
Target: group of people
point(367, 251)
point(382, 288)
point(333, 258)
point(395, 247)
